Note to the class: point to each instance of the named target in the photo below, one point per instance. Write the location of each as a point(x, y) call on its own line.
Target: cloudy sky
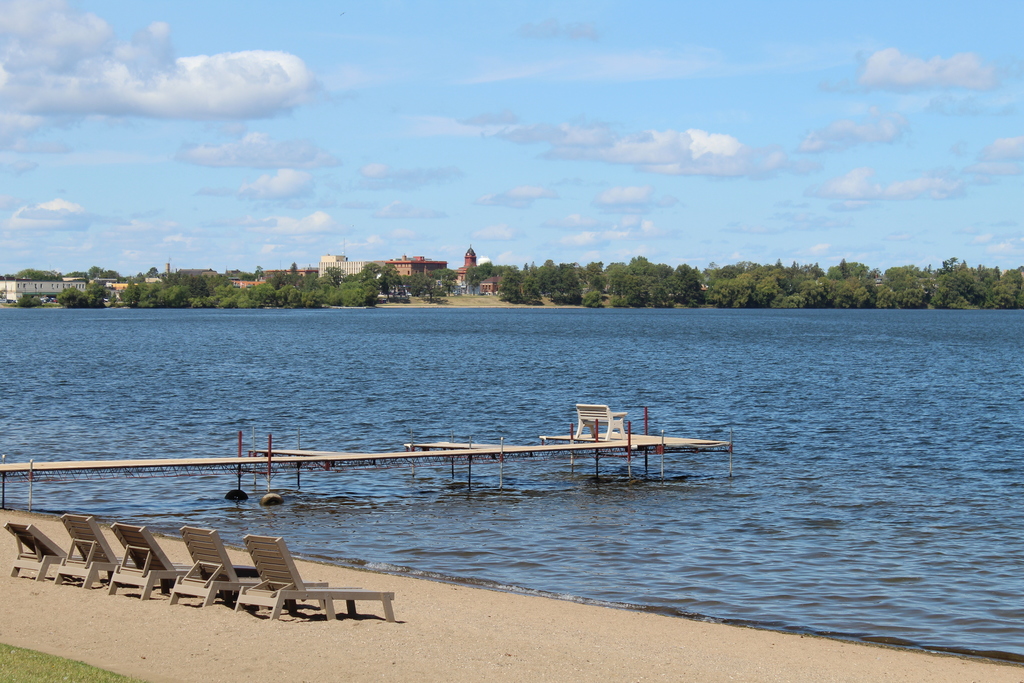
point(230, 135)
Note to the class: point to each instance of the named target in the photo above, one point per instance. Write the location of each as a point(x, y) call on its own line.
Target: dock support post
point(647, 449)
point(30, 477)
point(469, 477)
point(501, 465)
point(597, 462)
point(270, 448)
point(453, 468)
point(298, 476)
point(629, 449)
point(730, 452)
point(572, 454)
point(239, 487)
point(662, 456)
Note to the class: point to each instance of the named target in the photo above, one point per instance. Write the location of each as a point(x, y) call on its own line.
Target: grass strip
point(18, 665)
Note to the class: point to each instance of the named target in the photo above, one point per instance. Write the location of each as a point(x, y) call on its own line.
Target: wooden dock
point(272, 461)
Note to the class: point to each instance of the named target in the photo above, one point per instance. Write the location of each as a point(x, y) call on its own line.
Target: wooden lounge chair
point(36, 552)
point(280, 582)
point(592, 417)
point(90, 553)
point(212, 573)
point(144, 562)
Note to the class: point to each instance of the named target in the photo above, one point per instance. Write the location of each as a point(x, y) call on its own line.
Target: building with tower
point(470, 263)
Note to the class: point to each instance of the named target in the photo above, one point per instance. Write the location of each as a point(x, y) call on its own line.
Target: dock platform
point(273, 461)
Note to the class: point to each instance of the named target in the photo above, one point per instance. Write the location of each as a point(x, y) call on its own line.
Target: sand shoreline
point(445, 632)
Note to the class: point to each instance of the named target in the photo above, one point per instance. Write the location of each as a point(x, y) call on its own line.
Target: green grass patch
point(18, 665)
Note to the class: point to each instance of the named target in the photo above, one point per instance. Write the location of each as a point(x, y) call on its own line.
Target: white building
point(341, 264)
point(12, 289)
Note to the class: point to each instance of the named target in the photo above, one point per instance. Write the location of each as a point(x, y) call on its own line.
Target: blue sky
point(231, 135)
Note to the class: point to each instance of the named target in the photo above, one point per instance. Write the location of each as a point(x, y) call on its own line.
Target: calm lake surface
point(877, 491)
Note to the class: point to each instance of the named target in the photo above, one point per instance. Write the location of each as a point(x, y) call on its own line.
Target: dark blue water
point(877, 488)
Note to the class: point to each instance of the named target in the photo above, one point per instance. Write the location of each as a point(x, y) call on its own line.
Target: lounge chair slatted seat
point(593, 417)
point(212, 573)
point(36, 552)
point(280, 583)
point(90, 552)
point(145, 564)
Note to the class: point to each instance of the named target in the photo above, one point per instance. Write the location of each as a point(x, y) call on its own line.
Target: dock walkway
point(271, 461)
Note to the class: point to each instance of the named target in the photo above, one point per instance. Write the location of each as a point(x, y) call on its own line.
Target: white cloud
point(496, 232)
point(378, 176)
point(316, 223)
point(890, 69)
point(631, 199)
point(54, 215)
point(402, 235)
point(573, 220)
point(398, 209)
point(257, 150)
point(670, 152)
point(286, 184)
point(59, 60)
point(986, 168)
point(13, 127)
point(580, 239)
point(521, 197)
point(858, 185)
point(844, 133)
point(1004, 148)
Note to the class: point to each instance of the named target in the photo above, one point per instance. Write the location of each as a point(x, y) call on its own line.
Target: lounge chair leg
point(147, 590)
point(276, 612)
point(113, 588)
point(328, 606)
point(351, 605)
point(389, 613)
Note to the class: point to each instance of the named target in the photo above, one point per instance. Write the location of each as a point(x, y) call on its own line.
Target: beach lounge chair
point(212, 573)
point(90, 553)
point(144, 563)
point(36, 552)
point(280, 582)
point(593, 417)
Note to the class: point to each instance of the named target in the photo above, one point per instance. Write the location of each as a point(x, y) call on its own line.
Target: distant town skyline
point(228, 135)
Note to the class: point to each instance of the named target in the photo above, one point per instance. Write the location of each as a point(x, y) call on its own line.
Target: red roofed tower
point(470, 263)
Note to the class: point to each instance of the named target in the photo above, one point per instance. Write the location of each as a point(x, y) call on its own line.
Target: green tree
point(73, 298)
point(511, 287)
point(29, 301)
point(33, 274)
point(131, 295)
point(446, 279)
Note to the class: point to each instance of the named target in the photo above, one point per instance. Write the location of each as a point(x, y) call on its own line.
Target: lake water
point(877, 485)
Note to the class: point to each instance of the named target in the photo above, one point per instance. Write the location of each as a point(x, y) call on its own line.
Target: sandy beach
point(443, 633)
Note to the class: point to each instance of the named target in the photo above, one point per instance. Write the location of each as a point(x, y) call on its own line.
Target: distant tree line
point(642, 284)
point(637, 284)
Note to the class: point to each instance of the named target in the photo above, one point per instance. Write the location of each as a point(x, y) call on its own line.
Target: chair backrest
point(273, 562)
point(593, 412)
point(33, 543)
point(208, 553)
point(87, 540)
point(140, 548)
